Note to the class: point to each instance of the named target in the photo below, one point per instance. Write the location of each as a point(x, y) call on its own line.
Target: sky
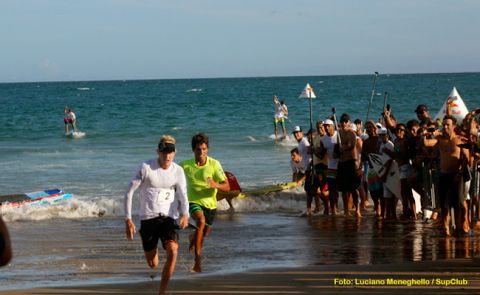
point(76, 40)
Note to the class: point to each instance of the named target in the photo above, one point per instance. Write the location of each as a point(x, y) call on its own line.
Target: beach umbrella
point(458, 108)
point(308, 93)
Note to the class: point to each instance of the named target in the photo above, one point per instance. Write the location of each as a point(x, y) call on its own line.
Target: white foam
point(74, 208)
point(251, 138)
point(286, 201)
point(195, 90)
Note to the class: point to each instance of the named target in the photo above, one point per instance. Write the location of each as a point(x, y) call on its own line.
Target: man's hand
point(211, 183)
point(183, 222)
point(129, 229)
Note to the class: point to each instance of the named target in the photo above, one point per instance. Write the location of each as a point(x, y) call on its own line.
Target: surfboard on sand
point(392, 181)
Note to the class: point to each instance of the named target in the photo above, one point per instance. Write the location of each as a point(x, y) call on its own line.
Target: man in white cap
point(328, 143)
point(305, 152)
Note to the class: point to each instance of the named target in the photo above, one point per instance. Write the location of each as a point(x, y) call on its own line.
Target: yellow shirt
point(197, 187)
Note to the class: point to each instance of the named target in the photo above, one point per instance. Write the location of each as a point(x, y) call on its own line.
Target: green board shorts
point(279, 120)
point(208, 213)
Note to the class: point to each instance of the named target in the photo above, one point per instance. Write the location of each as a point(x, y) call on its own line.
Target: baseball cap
point(166, 147)
point(297, 129)
point(328, 122)
point(382, 131)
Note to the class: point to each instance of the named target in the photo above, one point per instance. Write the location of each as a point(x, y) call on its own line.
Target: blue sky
point(64, 40)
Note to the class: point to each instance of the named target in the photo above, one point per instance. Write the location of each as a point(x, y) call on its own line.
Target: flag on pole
point(307, 92)
point(458, 108)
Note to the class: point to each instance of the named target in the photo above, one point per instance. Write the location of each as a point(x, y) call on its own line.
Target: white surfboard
point(458, 108)
point(393, 178)
point(75, 134)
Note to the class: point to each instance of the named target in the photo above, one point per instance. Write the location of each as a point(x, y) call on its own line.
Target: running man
point(281, 113)
point(69, 118)
point(205, 177)
point(163, 199)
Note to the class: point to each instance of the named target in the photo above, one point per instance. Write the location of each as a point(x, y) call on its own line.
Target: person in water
point(281, 113)
point(69, 118)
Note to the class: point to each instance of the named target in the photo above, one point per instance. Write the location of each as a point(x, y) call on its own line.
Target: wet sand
point(428, 277)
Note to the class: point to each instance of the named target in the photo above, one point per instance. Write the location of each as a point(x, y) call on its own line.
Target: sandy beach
point(460, 276)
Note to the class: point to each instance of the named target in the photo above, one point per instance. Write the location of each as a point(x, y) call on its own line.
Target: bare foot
point(197, 267)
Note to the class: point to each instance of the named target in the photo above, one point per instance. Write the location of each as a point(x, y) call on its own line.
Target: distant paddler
point(281, 113)
point(69, 118)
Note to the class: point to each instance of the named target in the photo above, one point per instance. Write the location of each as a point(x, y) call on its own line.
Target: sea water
point(82, 239)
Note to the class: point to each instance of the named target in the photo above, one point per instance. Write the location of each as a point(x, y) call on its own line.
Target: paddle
point(371, 97)
point(337, 146)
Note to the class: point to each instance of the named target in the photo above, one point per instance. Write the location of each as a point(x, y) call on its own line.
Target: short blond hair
point(167, 139)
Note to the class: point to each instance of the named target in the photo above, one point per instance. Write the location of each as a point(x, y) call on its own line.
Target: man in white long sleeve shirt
point(163, 199)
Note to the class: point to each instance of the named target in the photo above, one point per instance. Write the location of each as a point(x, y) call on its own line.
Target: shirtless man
point(452, 159)
point(348, 180)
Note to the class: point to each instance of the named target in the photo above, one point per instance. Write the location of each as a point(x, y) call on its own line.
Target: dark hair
point(451, 118)
point(412, 123)
point(357, 121)
point(345, 117)
point(199, 138)
point(294, 150)
point(400, 125)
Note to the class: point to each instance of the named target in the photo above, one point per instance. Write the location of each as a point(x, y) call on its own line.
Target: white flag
point(457, 108)
point(307, 92)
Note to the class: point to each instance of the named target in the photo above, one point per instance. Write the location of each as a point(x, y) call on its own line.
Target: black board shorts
point(347, 178)
point(448, 190)
point(151, 230)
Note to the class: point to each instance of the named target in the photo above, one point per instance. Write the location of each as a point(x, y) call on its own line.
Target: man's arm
point(5, 245)
point(181, 194)
point(127, 203)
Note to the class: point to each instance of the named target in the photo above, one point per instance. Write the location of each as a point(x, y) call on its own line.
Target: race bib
point(165, 196)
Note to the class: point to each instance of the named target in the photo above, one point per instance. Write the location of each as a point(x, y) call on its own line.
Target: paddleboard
point(393, 178)
point(278, 187)
point(45, 197)
point(429, 192)
point(75, 134)
point(235, 188)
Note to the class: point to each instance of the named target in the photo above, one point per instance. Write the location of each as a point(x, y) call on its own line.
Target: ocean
point(81, 240)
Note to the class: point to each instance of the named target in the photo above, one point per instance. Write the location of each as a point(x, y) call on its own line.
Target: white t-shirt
point(297, 167)
point(72, 116)
point(389, 145)
point(162, 191)
point(280, 110)
point(329, 143)
point(303, 150)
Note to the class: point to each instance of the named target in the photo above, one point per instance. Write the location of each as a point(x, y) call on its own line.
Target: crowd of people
point(436, 159)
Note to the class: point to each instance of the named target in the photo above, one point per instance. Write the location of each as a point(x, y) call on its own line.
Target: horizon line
point(232, 77)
